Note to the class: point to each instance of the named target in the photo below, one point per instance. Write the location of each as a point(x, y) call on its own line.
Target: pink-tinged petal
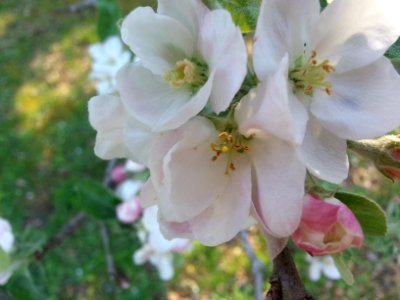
point(159, 41)
point(118, 174)
point(279, 189)
point(108, 117)
point(327, 227)
point(192, 181)
point(222, 220)
point(172, 230)
point(324, 153)
point(129, 211)
point(363, 34)
point(222, 47)
point(272, 107)
point(283, 25)
point(153, 102)
point(189, 12)
point(364, 104)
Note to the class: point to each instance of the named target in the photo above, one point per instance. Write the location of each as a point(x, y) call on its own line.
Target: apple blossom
point(322, 265)
point(118, 174)
point(187, 56)
point(204, 178)
point(327, 227)
point(108, 57)
point(156, 248)
point(338, 83)
point(129, 211)
point(6, 236)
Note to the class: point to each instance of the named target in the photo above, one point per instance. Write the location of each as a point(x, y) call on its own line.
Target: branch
point(112, 274)
point(67, 230)
point(256, 266)
point(285, 280)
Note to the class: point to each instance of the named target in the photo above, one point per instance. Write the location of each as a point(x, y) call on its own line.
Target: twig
point(112, 274)
point(285, 280)
point(256, 266)
point(67, 230)
point(72, 225)
point(77, 6)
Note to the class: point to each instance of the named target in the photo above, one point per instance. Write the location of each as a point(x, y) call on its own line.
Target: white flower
point(133, 167)
point(204, 179)
point(337, 81)
point(156, 248)
point(108, 57)
point(6, 236)
point(322, 265)
point(187, 56)
point(128, 189)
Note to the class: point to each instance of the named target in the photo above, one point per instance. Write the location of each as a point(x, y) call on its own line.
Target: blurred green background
point(46, 143)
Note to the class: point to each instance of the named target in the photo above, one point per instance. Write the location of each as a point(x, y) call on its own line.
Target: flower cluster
point(217, 159)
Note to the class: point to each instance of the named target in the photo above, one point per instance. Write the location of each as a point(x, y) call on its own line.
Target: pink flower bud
point(129, 211)
point(327, 227)
point(118, 174)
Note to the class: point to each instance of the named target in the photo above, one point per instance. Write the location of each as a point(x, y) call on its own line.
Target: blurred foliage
point(47, 143)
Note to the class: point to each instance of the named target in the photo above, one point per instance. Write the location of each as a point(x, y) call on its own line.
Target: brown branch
point(256, 266)
point(112, 274)
point(285, 280)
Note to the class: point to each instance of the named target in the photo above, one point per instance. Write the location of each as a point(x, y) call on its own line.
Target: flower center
point(230, 143)
point(310, 75)
point(191, 73)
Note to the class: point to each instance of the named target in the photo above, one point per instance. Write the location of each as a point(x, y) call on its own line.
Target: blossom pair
point(215, 162)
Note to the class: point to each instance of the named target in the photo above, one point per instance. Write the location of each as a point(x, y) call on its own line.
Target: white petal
point(324, 153)
point(108, 117)
point(365, 102)
point(165, 267)
point(153, 102)
point(113, 47)
point(138, 139)
point(127, 189)
point(159, 41)
point(228, 213)
point(189, 12)
point(279, 191)
point(6, 236)
point(329, 268)
point(192, 180)
point(224, 50)
point(283, 26)
point(315, 271)
point(362, 36)
point(273, 107)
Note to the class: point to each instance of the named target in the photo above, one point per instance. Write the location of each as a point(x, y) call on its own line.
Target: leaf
point(244, 12)
point(372, 218)
point(109, 13)
point(95, 199)
point(394, 52)
point(344, 271)
point(5, 260)
point(30, 241)
point(323, 4)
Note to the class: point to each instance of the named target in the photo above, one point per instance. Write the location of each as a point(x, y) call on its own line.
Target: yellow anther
point(224, 149)
point(223, 135)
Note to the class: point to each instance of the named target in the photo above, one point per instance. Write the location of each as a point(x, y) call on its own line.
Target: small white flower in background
point(322, 265)
point(188, 56)
point(156, 249)
point(6, 236)
point(129, 211)
point(338, 84)
point(133, 167)
point(108, 58)
point(128, 189)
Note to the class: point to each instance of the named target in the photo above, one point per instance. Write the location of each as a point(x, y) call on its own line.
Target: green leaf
point(344, 271)
point(95, 199)
point(29, 241)
point(323, 4)
point(109, 13)
point(5, 260)
point(244, 12)
point(372, 218)
point(394, 51)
